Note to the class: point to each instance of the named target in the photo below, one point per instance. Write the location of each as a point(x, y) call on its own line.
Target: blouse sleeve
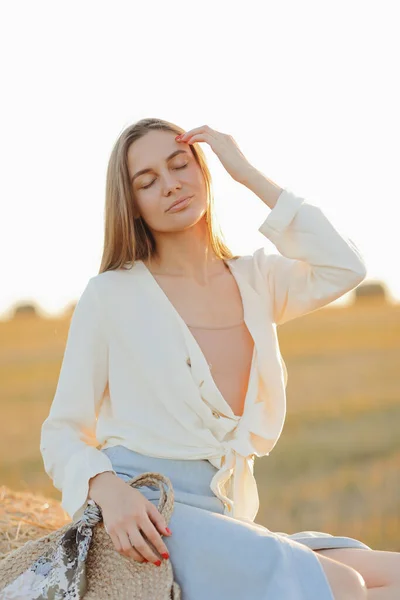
point(68, 442)
point(316, 264)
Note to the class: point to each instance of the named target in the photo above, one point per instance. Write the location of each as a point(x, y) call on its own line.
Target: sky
point(308, 91)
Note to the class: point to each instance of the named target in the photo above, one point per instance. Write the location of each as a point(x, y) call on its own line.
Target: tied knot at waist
point(234, 482)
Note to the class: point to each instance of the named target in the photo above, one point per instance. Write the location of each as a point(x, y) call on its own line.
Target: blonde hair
point(126, 238)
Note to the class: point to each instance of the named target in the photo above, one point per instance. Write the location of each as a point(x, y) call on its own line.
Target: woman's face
point(167, 180)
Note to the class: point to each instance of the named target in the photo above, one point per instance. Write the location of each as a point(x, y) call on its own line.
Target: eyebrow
point(149, 170)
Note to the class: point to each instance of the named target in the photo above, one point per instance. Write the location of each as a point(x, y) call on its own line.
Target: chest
point(214, 315)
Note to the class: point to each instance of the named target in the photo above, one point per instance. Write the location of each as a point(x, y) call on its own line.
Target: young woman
point(172, 364)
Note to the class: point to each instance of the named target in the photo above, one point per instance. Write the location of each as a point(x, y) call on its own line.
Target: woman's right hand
point(126, 515)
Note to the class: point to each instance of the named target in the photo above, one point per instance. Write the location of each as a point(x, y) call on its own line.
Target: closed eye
point(144, 187)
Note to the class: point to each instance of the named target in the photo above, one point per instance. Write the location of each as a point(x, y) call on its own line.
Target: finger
point(194, 138)
point(158, 520)
point(203, 130)
point(199, 137)
point(155, 538)
point(141, 545)
point(126, 547)
point(184, 136)
point(116, 542)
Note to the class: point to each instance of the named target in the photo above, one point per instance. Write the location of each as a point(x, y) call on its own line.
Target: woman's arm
point(68, 442)
point(316, 264)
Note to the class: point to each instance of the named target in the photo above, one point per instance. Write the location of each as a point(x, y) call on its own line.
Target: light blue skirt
point(217, 557)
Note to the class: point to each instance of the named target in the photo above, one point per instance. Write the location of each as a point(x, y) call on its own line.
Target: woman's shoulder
point(113, 275)
point(115, 282)
point(247, 263)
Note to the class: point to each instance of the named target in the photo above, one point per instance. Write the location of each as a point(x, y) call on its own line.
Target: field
point(336, 467)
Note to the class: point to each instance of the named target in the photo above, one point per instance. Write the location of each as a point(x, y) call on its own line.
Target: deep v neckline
point(195, 342)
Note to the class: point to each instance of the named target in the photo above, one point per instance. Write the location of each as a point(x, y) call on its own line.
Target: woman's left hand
point(224, 146)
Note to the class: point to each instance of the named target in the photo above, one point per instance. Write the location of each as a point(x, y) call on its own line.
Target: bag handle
point(166, 502)
point(93, 514)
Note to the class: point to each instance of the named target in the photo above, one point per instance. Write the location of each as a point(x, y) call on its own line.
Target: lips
point(178, 202)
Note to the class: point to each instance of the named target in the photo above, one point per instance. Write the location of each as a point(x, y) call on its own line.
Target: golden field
point(336, 467)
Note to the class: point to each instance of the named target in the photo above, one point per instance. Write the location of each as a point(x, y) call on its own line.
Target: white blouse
point(134, 374)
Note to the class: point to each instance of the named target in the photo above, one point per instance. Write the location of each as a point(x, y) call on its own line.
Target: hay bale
point(25, 516)
point(29, 310)
point(371, 292)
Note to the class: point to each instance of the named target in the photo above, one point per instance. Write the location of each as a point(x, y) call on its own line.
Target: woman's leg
point(214, 556)
point(379, 568)
point(346, 583)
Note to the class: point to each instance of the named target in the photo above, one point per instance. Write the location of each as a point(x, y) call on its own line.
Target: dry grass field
point(336, 467)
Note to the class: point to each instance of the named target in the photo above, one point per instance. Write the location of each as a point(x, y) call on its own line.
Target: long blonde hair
point(126, 238)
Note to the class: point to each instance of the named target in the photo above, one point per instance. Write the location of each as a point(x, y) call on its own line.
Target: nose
point(171, 183)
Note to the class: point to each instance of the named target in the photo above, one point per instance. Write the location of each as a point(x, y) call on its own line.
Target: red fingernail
point(158, 563)
point(167, 529)
point(165, 555)
point(145, 560)
point(178, 137)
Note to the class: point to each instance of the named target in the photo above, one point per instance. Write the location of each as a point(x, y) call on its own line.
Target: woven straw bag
point(79, 560)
